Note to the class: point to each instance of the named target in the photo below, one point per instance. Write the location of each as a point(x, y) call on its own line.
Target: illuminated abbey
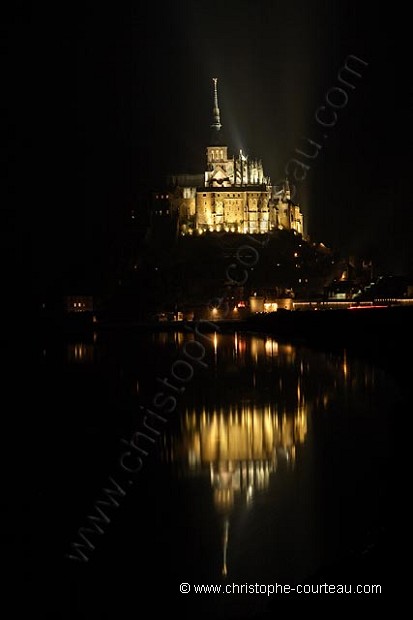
point(233, 194)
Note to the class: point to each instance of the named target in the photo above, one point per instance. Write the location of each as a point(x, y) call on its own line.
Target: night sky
point(105, 100)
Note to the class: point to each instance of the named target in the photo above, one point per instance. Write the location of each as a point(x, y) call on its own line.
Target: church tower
point(236, 194)
point(217, 152)
point(233, 194)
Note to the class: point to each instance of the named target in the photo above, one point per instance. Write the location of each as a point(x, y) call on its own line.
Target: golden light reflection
point(215, 341)
point(215, 338)
point(80, 353)
point(254, 425)
point(179, 338)
point(258, 349)
point(345, 366)
point(242, 346)
point(225, 546)
point(240, 448)
point(271, 347)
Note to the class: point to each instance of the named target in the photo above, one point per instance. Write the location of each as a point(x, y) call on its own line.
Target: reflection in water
point(241, 448)
point(238, 433)
point(277, 461)
point(169, 337)
point(240, 439)
point(80, 353)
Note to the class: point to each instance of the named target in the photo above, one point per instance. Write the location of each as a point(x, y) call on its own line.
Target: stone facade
point(233, 194)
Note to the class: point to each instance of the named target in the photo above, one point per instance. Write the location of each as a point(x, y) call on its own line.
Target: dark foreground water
point(265, 464)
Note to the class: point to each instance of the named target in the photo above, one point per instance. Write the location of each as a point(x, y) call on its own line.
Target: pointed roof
point(216, 136)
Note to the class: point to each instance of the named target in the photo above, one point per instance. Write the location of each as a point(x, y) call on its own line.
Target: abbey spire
point(216, 137)
point(217, 120)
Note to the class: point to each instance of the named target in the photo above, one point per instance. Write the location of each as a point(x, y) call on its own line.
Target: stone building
point(233, 194)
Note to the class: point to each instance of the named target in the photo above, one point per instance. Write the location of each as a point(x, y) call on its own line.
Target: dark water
point(266, 463)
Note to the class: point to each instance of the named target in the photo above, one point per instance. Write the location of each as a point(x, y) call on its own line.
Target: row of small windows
point(227, 196)
point(162, 196)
